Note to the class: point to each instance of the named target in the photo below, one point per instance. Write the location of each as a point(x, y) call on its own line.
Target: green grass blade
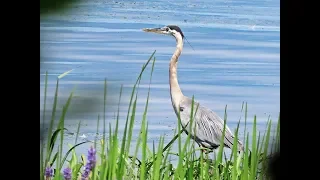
point(120, 172)
point(53, 159)
point(66, 73)
point(105, 172)
point(254, 151)
point(57, 173)
point(157, 165)
point(73, 161)
point(69, 151)
point(131, 123)
point(110, 155)
point(97, 132)
point(220, 150)
point(144, 149)
point(144, 169)
point(104, 113)
point(245, 119)
point(77, 132)
point(138, 79)
point(136, 150)
point(118, 113)
point(246, 160)
point(51, 123)
point(266, 145)
point(235, 154)
point(52, 142)
point(278, 135)
point(61, 126)
point(76, 170)
point(42, 167)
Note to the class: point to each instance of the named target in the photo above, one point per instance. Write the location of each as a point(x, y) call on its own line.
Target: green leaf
point(68, 152)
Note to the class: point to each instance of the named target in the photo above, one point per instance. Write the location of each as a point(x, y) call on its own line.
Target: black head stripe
point(174, 27)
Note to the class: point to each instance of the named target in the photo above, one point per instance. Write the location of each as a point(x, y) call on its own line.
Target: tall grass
point(114, 160)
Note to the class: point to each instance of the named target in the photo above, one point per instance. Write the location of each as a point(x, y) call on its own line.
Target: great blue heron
point(208, 129)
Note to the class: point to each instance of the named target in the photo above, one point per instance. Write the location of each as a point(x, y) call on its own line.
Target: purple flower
point(49, 172)
point(90, 164)
point(67, 173)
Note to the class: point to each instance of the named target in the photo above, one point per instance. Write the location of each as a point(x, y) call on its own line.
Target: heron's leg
point(202, 153)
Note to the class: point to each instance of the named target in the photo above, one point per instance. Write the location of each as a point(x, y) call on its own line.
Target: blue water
point(236, 59)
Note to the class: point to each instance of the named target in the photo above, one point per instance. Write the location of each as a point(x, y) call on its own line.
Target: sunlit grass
point(114, 161)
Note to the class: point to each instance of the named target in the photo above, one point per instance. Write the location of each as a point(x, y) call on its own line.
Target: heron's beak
point(155, 30)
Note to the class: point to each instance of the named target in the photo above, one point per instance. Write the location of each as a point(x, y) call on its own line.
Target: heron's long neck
point(175, 90)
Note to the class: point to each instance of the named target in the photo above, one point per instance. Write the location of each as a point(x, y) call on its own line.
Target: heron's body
point(207, 126)
point(207, 129)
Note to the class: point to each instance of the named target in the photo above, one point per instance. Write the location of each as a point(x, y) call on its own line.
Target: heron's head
point(171, 30)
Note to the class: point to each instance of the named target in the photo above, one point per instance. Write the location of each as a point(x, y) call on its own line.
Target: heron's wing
point(209, 126)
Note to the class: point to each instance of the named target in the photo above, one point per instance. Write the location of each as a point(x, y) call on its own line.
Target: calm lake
point(235, 59)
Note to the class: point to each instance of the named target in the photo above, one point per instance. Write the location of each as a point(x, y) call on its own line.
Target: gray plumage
point(209, 126)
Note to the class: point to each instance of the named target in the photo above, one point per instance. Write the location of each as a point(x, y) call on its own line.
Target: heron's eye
point(167, 29)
